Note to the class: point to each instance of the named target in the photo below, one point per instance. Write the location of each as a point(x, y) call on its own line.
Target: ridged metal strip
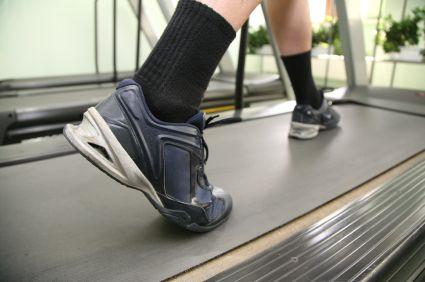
point(349, 244)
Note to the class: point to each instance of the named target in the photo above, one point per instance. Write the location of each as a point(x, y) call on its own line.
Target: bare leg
point(234, 11)
point(291, 25)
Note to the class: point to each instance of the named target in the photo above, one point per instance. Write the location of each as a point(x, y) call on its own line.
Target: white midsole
point(304, 130)
point(93, 129)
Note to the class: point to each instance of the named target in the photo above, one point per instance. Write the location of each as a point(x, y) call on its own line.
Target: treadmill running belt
point(62, 219)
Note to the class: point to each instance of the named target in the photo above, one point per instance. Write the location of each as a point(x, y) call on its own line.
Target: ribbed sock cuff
point(195, 8)
point(299, 71)
point(176, 74)
point(298, 56)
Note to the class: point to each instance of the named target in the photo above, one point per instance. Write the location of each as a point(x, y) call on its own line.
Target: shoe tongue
point(198, 120)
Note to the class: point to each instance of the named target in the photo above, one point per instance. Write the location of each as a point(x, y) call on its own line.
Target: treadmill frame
point(358, 91)
point(358, 88)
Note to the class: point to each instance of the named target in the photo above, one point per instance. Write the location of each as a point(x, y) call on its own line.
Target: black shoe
point(307, 121)
point(163, 160)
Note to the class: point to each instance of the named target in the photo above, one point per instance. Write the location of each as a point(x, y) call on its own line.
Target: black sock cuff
point(299, 55)
point(192, 8)
point(175, 75)
point(298, 67)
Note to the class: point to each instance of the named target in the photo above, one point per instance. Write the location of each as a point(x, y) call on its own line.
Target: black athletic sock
point(176, 74)
point(299, 70)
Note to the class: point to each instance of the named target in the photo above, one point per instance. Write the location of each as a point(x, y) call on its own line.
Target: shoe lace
point(210, 123)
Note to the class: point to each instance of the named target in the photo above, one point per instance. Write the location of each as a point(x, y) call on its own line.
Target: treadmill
point(32, 108)
point(62, 219)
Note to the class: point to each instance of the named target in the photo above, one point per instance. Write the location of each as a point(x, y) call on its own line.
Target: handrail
point(139, 29)
point(114, 41)
point(96, 43)
point(240, 72)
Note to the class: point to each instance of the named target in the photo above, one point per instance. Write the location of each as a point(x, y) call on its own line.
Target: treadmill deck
point(63, 219)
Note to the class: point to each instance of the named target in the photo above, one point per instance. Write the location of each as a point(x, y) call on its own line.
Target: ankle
point(176, 74)
point(318, 101)
point(174, 110)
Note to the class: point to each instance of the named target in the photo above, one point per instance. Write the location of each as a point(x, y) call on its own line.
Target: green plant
point(419, 13)
point(327, 33)
point(405, 32)
point(402, 33)
point(337, 46)
point(257, 39)
point(321, 35)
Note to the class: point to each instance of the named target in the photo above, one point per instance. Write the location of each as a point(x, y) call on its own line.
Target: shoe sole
point(95, 141)
point(306, 131)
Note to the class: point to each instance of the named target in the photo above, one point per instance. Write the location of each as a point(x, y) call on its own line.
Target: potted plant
point(326, 33)
point(401, 38)
point(258, 42)
point(258, 46)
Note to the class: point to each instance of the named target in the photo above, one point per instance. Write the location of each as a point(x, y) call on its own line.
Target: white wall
point(55, 37)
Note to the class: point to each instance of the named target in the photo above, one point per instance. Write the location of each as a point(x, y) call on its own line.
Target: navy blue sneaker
point(307, 121)
point(163, 160)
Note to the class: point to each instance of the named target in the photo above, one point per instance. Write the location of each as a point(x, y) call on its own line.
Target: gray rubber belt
point(63, 219)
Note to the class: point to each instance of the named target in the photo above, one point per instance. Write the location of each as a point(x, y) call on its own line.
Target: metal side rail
point(393, 99)
point(36, 115)
point(378, 237)
point(41, 148)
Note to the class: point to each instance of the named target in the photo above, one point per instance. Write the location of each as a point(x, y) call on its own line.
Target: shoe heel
point(303, 131)
point(96, 142)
